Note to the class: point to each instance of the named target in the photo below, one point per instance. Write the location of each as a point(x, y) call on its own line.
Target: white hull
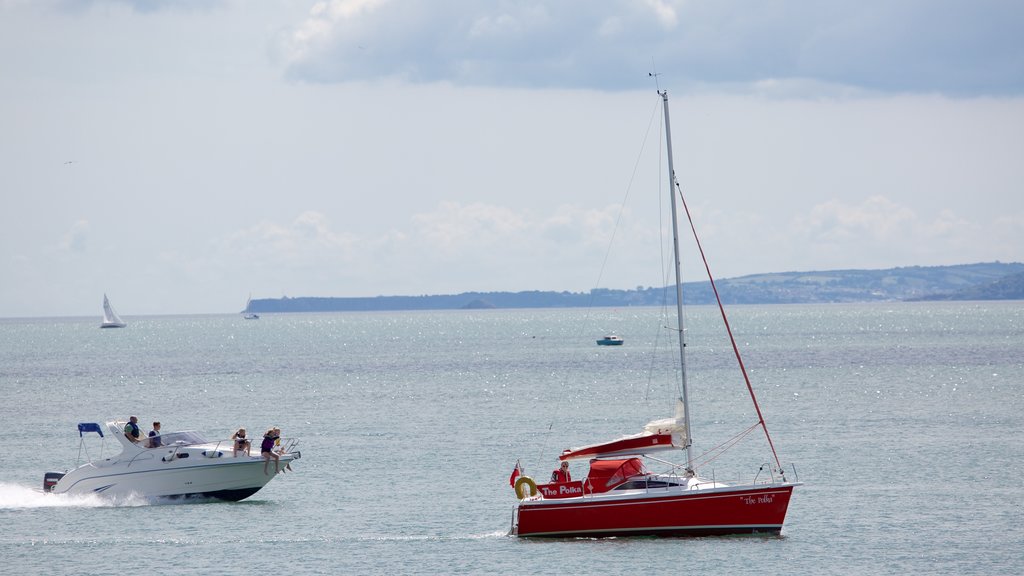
point(223, 478)
point(180, 470)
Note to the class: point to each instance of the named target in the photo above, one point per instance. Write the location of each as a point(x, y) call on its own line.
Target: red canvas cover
point(607, 474)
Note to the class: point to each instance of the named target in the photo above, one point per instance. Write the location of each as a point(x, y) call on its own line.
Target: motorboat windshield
point(187, 438)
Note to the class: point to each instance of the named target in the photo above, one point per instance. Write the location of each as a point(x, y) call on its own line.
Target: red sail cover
point(630, 446)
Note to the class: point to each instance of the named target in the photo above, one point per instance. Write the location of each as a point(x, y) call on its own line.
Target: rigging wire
point(600, 276)
point(666, 270)
point(712, 454)
point(715, 452)
point(728, 328)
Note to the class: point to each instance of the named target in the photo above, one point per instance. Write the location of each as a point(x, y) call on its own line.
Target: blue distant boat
point(610, 340)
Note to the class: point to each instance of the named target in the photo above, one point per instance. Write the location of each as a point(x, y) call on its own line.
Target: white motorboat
point(181, 465)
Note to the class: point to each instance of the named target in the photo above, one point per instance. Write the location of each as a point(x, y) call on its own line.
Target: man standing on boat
point(131, 429)
point(154, 436)
point(562, 474)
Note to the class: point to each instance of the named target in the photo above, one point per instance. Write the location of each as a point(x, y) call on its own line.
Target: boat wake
point(438, 538)
point(495, 534)
point(18, 497)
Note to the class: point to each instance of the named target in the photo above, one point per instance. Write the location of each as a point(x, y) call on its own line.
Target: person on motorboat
point(561, 474)
point(267, 451)
point(280, 449)
point(131, 429)
point(241, 442)
point(154, 436)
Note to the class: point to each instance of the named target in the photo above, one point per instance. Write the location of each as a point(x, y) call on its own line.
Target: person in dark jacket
point(154, 436)
point(267, 451)
point(131, 430)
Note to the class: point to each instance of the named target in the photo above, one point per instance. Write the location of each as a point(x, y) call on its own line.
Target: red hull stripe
point(662, 531)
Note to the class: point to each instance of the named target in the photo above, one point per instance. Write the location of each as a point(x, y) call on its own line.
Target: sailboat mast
point(679, 283)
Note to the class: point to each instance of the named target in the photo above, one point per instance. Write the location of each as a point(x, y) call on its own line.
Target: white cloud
point(454, 227)
point(453, 247)
point(665, 12)
point(879, 230)
point(877, 219)
point(76, 239)
point(960, 48)
point(199, 160)
point(305, 241)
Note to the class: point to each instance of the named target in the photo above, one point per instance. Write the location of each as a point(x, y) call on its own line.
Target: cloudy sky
point(179, 156)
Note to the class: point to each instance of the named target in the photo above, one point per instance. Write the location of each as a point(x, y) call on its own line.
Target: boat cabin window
point(182, 439)
point(643, 484)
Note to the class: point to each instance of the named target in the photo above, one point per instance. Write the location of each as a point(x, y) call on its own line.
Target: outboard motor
point(50, 480)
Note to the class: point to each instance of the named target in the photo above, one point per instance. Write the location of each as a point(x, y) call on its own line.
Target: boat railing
point(230, 445)
point(761, 469)
point(170, 457)
point(766, 474)
point(515, 520)
point(775, 475)
point(287, 446)
point(667, 479)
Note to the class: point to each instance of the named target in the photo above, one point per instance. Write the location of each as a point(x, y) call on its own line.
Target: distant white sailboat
point(110, 317)
point(248, 313)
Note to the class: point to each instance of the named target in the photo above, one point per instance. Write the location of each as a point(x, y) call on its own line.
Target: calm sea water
point(904, 421)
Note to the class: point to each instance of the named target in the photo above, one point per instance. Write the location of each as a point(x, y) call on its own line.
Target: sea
point(903, 421)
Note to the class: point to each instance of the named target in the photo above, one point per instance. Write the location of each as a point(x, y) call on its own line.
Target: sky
point(181, 156)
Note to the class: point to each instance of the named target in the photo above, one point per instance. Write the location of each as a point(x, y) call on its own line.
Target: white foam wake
point(15, 496)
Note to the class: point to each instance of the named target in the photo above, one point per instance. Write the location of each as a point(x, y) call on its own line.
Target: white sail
point(676, 426)
point(110, 317)
point(248, 313)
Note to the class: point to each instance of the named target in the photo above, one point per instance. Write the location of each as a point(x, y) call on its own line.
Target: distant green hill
point(984, 281)
point(1007, 288)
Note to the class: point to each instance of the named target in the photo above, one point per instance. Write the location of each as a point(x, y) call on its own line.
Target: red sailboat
point(621, 497)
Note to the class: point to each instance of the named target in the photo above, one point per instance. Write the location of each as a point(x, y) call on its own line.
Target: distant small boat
point(248, 314)
point(610, 340)
point(110, 317)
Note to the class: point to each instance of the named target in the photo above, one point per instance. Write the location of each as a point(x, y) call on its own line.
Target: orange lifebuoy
point(527, 482)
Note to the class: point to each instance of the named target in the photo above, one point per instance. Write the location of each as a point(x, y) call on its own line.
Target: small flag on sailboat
point(515, 474)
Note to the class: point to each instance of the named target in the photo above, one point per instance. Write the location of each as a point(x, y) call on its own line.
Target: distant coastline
point(982, 281)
